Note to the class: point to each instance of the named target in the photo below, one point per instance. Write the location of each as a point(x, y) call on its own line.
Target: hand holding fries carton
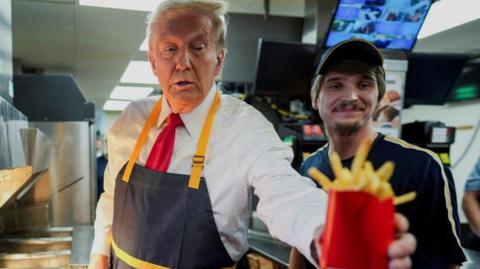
point(359, 225)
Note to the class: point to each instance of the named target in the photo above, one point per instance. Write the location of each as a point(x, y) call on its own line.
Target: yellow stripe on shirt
point(446, 189)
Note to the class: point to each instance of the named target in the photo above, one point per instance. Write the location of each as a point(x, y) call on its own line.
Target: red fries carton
point(358, 229)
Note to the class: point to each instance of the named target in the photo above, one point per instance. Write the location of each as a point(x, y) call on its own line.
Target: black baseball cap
point(357, 49)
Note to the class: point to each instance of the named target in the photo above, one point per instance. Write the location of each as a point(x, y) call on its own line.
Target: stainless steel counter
point(272, 249)
point(81, 246)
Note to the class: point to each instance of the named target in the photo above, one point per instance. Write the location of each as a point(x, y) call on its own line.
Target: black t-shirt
point(433, 215)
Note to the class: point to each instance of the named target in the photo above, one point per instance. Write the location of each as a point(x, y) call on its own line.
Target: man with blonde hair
point(181, 168)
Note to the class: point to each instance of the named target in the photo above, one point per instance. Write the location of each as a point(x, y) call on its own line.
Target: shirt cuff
point(308, 236)
point(101, 244)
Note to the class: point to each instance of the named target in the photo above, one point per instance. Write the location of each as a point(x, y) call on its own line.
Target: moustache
point(354, 105)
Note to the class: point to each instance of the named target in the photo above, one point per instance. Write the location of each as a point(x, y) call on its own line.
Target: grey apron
point(165, 220)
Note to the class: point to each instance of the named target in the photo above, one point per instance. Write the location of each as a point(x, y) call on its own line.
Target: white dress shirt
point(244, 154)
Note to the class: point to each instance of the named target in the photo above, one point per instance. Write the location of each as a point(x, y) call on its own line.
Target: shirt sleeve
point(454, 247)
point(473, 180)
point(289, 204)
point(437, 224)
point(104, 212)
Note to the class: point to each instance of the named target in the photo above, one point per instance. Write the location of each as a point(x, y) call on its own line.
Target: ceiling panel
point(464, 38)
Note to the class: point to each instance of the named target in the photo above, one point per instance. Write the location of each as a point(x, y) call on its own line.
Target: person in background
point(349, 84)
point(102, 160)
point(471, 206)
point(182, 167)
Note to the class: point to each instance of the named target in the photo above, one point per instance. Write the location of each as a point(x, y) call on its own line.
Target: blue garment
point(473, 180)
point(432, 215)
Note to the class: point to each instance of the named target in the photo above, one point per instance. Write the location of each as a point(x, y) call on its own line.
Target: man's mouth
point(348, 108)
point(183, 83)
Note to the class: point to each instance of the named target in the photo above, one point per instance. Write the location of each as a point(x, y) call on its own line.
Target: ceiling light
point(130, 93)
point(144, 46)
point(446, 14)
point(139, 72)
point(115, 105)
point(141, 5)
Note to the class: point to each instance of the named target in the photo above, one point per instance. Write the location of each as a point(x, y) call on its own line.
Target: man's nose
point(350, 93)
point(183, 60)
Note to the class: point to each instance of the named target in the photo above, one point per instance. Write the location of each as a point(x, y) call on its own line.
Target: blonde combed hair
point(215, 9)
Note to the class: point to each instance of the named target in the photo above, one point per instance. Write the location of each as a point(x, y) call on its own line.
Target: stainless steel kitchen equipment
point(66, 194)
point(47, 173)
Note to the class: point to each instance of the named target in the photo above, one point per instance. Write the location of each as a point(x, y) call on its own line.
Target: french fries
point(361, 177)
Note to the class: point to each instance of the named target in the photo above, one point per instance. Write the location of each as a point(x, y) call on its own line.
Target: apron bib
point(165, 220)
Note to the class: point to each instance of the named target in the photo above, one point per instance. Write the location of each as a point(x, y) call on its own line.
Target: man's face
point(185, 58)
point(346, 102)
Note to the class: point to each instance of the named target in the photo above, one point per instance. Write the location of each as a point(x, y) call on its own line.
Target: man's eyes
point(366, 84)
point(334, 86)
point(169, 50)
point(198, 48)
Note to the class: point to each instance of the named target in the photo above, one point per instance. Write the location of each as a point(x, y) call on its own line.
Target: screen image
point(284, 68)
point(389, 24)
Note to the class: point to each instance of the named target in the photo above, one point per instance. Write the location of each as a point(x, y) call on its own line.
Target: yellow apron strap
point(152, 118)
point(198, 160)
point(132, 261)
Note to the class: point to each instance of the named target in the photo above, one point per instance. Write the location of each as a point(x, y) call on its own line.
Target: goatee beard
point(346, 129)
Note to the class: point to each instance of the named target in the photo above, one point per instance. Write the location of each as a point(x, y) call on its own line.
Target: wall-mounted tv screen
point(284, 68)
point(389, 24)
point(431, 77)
point(467, 86)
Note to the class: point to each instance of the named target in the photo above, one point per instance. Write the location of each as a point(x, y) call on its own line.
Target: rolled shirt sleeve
point(104, 212)
point(290, 205)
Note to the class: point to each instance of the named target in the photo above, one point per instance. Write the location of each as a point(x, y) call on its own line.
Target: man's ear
point(152, 61)
point(314, 98)
point(220, 58)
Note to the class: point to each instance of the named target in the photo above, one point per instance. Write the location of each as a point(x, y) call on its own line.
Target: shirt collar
point(193, 120)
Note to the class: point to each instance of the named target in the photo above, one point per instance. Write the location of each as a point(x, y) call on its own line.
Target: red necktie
point(161, 153)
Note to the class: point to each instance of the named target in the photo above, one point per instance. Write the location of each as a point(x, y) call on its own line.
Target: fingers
point(403, 263)
point(402, 247)
point(400, 250)
point(401, 223)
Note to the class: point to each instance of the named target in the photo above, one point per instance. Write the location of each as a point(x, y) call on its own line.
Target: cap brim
point(358, 49)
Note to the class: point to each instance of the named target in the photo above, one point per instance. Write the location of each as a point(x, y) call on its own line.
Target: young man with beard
point(349, 83)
